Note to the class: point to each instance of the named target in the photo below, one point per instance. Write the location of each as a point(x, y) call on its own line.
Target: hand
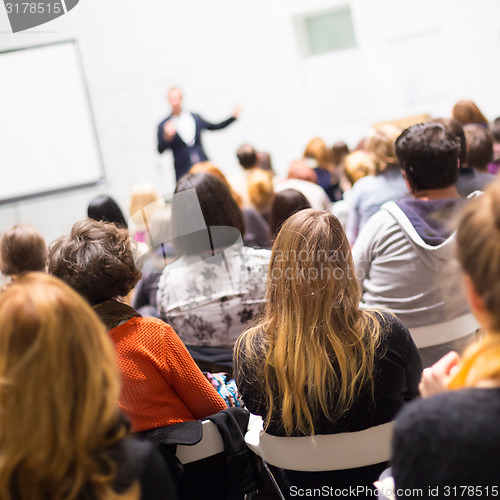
point(435, 378)
point(169, 130)
point(237, 111)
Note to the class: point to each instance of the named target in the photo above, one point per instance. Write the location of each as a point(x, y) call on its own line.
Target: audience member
point(257, 231)
point(215, 287)
point(475, 177)
point(316, 363)
point(494, 166)
point(405, 255)
point(371, 192)
point(355, 166)
point(466, 111)
point(261, 191)
point(144, 201)
point(339, 151)
point(62, 434)
point(22, 249)
point(319, 157)
point(449, 440)
point(104, 208)
point(161, 383)
point(303, 178)
point(285, 204)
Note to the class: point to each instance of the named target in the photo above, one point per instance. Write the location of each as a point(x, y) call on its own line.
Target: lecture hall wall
point(411, 58)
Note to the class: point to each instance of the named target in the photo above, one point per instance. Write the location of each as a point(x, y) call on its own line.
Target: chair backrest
point(211, 444)
point(447, 331)
point(347, 450)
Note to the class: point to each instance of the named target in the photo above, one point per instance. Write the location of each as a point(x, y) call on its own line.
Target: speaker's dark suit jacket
point(185, 156)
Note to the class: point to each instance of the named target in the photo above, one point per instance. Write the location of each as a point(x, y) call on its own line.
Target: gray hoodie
point(405, 261)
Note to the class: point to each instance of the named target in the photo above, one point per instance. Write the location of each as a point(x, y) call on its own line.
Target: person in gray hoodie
point(405, 255)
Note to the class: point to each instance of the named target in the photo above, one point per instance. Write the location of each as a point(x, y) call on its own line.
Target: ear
point(408, 185)
point(476, 302)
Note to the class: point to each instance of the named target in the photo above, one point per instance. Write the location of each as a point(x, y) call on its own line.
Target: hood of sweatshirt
point(429, 226)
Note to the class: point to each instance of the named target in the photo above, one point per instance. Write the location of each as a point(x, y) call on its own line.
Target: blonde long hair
point(317, 341)
point(478, 246)
point(58, 394)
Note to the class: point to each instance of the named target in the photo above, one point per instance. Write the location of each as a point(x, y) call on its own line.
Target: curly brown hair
point(96, 260)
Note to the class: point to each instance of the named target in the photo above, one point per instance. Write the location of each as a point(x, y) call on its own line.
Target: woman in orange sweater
point(161, 384)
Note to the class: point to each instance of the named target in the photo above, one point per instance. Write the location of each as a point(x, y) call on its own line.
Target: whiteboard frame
point(99, 181)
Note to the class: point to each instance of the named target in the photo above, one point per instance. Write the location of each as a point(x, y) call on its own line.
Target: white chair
point(347, 450)
point(211, 444)
point(442, 333)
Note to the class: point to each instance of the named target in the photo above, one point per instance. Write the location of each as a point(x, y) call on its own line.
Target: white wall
point(411, 58)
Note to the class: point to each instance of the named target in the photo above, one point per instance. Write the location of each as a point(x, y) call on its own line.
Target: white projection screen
point(47, 131)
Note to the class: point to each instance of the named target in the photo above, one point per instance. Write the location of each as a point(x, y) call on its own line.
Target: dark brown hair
point(22, 248)
point(466, 111)
point(479, 146)
point(96, 260)
point(285, 204)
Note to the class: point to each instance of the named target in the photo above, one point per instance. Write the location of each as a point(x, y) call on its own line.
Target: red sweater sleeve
point(187, 380)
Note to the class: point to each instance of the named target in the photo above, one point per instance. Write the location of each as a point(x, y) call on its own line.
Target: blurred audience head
point(466, 111)
point(247, 156)
point(454, 127)
point(22, 249)
point(299, 169)
point(479, 142)
point(285, 204)
point(381, 146)
point(105, 208)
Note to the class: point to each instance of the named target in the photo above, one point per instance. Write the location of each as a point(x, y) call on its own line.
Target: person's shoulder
point(392, 329)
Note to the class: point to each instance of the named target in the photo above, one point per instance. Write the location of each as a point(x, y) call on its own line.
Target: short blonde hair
point(260, 189)
point(381, 146)
point(357, 165)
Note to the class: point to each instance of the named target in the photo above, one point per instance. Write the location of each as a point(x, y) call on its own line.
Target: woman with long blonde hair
point(61, 434)
point(316, 363)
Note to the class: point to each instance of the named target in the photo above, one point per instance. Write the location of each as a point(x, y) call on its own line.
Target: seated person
point(303, 178)
point(319, 157)
point(62, 434)
point(105, 208)
point(405, 256)
point(22, 249)
point(161, 383)
point(371, 192)
point(216, 285)
point(474, 176)
point(451, 439)
point(315, 363)
point(285, 204)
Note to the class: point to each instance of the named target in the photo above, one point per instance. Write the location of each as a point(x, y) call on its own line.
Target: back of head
point(478, 248)
point(429, 156)
point(357, 165)
point(301, 170)
point(104, 208)
point(339, 152)
point(96, 260)
point(247, 156)
point(144, 200)
point(380, 146)
point(285, 204)
point(479, 146)
point(454, 127)
point(312, 300)
point(495, 129)
point(22, 248)
point(466, 111)
point(58, 393)
point(218, 208)
point(209, 168)
point(316, 150)
point(260, 189)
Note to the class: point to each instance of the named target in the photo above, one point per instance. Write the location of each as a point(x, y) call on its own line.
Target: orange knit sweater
point(161, 383)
